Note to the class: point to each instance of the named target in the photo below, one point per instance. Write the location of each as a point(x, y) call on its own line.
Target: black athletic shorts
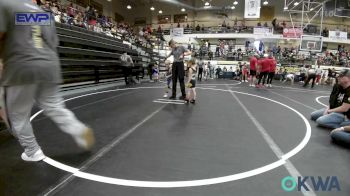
point(193, 82)
point(252, 73)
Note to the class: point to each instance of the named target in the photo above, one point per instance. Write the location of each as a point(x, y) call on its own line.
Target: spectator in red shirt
point(272, 65)
point(253, 66)
point(264, 70)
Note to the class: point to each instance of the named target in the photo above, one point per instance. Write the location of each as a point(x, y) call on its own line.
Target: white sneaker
point(270, 85)
point(242, 81)
point(86, 140)
point(246, 81)
point(165, 95)
point(37, 156)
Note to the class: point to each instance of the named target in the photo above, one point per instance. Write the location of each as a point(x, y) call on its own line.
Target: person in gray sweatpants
point(32, 74)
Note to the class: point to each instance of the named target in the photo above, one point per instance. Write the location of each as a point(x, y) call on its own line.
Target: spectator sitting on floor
point(337, 113)
point(288, 76)
point(341, 135)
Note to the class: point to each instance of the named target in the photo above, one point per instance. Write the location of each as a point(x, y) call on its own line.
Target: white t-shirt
point(311, 71)
point(318, 71)
point(200, 64)
point(290, 76)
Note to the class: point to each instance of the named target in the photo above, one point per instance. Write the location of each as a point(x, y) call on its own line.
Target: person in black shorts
point(253, 66)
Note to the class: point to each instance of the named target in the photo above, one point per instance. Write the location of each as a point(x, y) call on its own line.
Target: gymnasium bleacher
point(87, 56)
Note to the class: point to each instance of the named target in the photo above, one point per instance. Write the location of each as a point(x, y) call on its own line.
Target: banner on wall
point(342, 8)
point(292, 33)
point(263, 31)
point(252, 9)
point(178, 32)
point(338, 35)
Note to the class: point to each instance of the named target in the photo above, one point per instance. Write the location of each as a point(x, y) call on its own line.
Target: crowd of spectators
point(240, 26)
point(225, 27)
point(285, 55)
point(224, 48)
point(339, 57)
point(89, 18)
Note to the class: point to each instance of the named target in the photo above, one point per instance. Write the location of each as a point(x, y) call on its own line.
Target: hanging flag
point(252, 8)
